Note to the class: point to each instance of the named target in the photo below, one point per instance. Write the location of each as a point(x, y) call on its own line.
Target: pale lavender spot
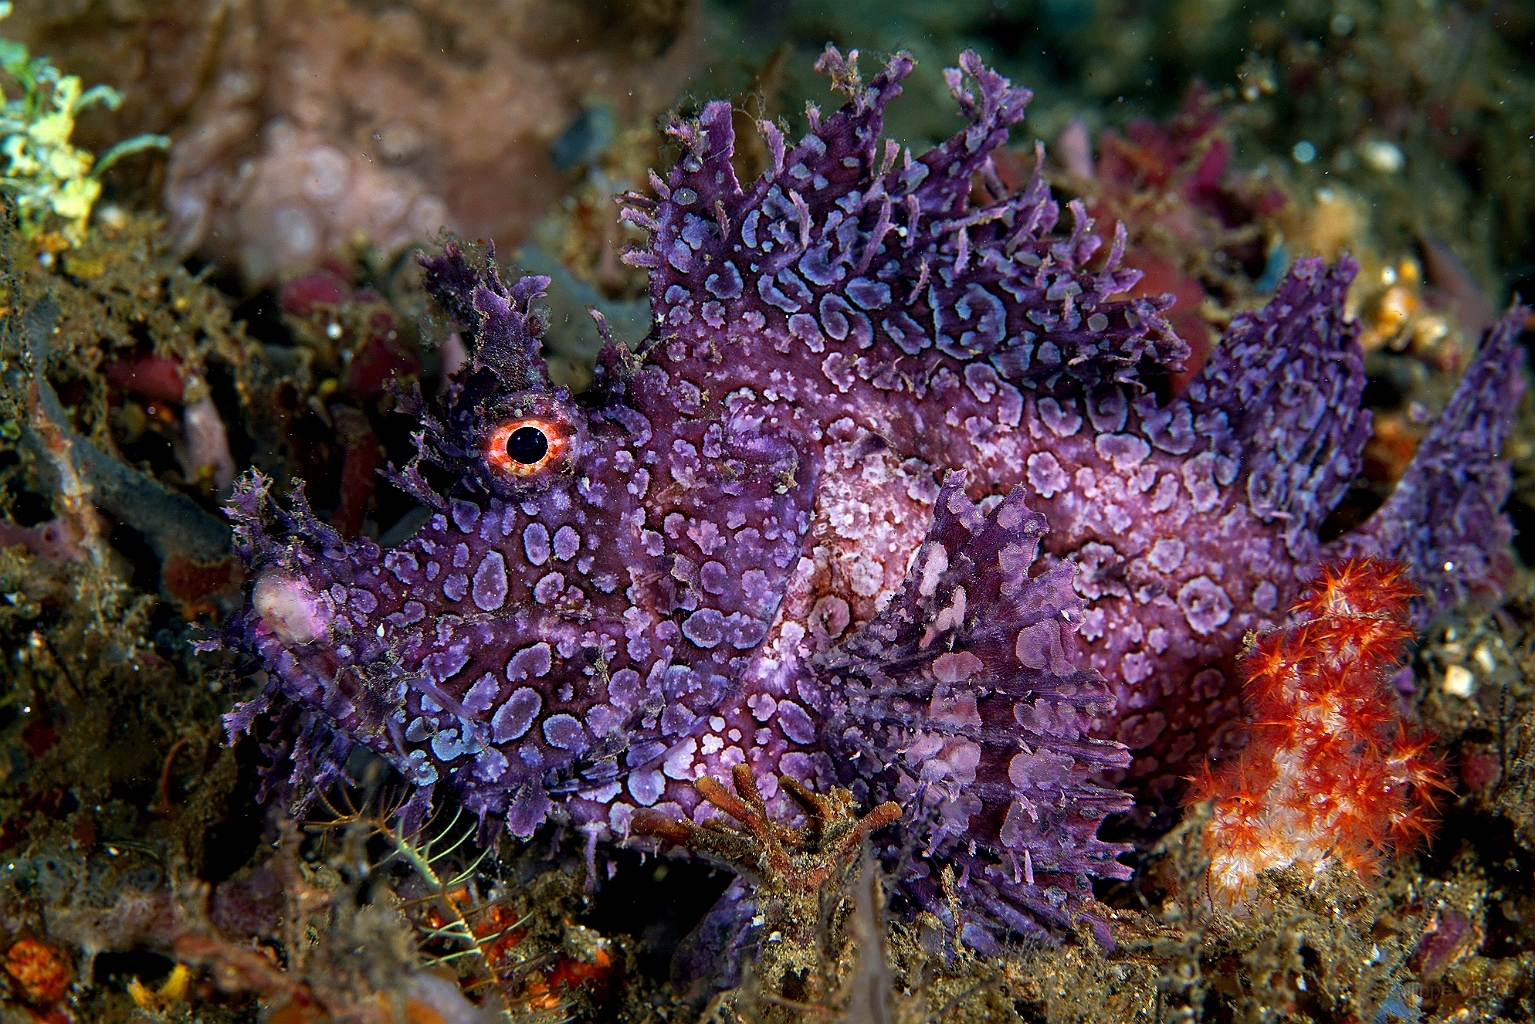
point(566, 543)
point(678, 763)
point(1204, 604)
point(1046, 475)
point(624, 689)
point(490, 583)
point(1108, 410)
point(869, 294)
point(804, 327)
point(529, 663)
point(727, 285)
point(796, 725)
point(1125, 451)
point(743, 631)
point(1166, 554)
point(708, 537)
point(447, 745)
point(444, 665)
point(956, 667)
point(603, 794)
point(482, 695)
point(548, 588)
point(646, 787)
point(603, 719)
point(565, 732)
point(762, 706)
point(535, 543)
point(705, 627)
point(838, 369)
point(465, 515)
point(455, 587)
point(515, 717)
point(527, 811)
point(420, 771)
point(489, 764)
point(460, 555)
point(409, 614)
point(1061, 417)
point(402, 563)
point(1039, 646)
point(797, 764)
point(1199, 478)
point(713, 577)
point(1136, 667)
point(756, 588)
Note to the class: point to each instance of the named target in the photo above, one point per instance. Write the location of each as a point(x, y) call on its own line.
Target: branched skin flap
point(881, 503)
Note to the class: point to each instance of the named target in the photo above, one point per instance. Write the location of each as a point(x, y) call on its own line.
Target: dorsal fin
point(1279, 403)
point(849, 242)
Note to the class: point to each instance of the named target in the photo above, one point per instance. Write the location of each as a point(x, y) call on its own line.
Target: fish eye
point(526, 446)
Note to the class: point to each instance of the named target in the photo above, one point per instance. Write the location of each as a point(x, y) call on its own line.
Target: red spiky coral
point(1332, 774)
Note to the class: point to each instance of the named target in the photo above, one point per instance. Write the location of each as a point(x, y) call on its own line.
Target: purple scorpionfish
point(881, 502)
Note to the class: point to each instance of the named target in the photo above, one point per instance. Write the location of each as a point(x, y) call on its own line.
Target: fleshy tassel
point(1332, 775)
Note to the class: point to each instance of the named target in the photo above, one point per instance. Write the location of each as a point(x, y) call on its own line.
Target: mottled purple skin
point(743, 552)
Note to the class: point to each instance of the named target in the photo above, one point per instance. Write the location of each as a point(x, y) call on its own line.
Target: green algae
point(55, 183)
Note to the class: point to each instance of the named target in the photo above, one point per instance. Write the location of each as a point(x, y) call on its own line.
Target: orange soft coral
point(1331, 775)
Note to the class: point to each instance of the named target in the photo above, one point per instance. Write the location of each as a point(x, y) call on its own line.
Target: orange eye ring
point(526, 446)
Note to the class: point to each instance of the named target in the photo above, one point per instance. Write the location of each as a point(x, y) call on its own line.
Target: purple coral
point(738, 549)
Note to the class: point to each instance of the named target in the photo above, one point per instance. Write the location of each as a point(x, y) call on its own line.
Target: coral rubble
point(299, 129)
point(794, 872)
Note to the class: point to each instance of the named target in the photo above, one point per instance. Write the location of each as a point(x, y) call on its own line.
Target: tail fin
point(962, 701)
point(1443, 521)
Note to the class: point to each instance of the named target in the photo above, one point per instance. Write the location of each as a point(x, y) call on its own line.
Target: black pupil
point(527, 445)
